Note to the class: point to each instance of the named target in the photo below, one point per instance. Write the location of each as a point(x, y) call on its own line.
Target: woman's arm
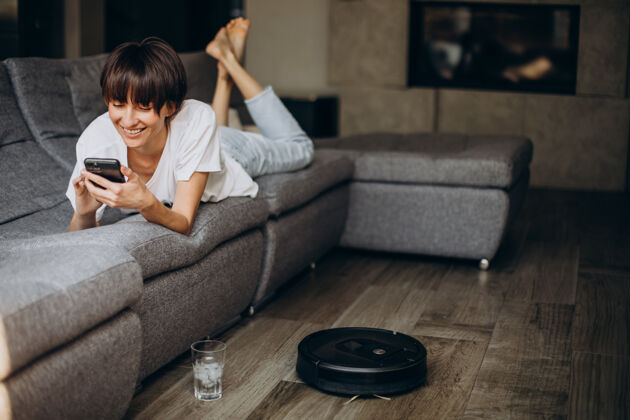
point(182, 215)
point(82, 222)
point(134, 194)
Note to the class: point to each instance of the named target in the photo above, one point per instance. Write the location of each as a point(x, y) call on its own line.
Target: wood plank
point(157, 384)
point(456, 307)
point(602, 314)
point(290, 400)
point(465, 305)
point(255, 363)
point(385, 307)
point(546, 273)
point(452, 366)
point(605, 252)
point(322, 295)
point(600, 386)
point(526, 368)
point(413, 272)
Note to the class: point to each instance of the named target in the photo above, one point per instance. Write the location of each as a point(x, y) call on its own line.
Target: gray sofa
point(85, 316)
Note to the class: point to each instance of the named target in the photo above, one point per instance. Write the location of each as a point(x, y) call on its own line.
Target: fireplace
point(494, 46)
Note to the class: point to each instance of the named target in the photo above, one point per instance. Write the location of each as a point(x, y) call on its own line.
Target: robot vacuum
point(362, 361)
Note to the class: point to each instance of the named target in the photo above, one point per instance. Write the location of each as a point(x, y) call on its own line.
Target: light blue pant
point(282, 145)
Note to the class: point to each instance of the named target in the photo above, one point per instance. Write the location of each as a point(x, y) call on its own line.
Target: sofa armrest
point(51, 294)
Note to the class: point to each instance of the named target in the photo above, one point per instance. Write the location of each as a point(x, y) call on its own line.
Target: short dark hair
point(147, 72)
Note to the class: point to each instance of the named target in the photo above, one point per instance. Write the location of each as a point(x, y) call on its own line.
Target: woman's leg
point(283, 145)
point(221, 98)
point(236, 32)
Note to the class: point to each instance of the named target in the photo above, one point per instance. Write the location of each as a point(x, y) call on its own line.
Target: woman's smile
point(133, 132)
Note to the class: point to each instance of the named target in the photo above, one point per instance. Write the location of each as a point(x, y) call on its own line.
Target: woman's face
point(139, 126)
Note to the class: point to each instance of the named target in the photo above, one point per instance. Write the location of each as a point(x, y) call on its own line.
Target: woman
point(170, 149)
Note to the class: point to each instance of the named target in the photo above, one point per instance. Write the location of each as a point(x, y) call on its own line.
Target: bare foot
point(220, 47)
point(237, 34)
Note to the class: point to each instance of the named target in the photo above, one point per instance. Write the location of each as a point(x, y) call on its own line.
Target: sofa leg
point(484, 264)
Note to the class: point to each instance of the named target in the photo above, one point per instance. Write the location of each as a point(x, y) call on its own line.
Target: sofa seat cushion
point(52, 293)
point(436, 158)
point(30, 181)
point(287, 191)
point(48, 221)
point(158, 249)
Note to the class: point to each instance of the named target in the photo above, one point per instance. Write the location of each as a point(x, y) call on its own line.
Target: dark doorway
point(31, 28)
point(187, 25)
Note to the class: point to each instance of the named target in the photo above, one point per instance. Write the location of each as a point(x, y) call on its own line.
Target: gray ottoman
point(434, 194)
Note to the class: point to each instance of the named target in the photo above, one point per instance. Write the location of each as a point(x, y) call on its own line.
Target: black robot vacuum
point(362, 361)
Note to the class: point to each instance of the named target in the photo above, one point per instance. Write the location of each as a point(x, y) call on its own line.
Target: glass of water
point(208, 359)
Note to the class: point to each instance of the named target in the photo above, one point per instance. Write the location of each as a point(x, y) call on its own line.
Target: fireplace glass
point(494, 46)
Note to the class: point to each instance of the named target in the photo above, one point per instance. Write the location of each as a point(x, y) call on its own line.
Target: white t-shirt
point(193, 145)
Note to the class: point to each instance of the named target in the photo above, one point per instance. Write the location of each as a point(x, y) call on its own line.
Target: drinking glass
point(208, 359)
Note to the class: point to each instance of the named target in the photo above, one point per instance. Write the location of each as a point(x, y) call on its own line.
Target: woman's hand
point(86, 205)
point(132, 194)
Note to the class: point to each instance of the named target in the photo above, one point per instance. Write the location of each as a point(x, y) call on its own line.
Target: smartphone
point(107, 168)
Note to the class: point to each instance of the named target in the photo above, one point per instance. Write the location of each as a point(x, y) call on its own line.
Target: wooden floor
point(544, 334)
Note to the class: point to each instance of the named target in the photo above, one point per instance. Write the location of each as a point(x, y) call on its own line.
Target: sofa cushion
point(45, 100)
point(93, 377)
point(13, 129)
point(286, 191)
point(83, 78)
point(214, 224)
point(436, 158)
point(51, 293)
point(301, 237)
point(50, 221)
point(158, 249)
point(29, 179)
point(180, 306)
point(47, 221)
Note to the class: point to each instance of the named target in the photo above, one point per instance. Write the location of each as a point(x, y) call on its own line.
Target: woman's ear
point(170, 109)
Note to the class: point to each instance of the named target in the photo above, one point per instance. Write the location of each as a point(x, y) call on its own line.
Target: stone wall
point(287, 46)
point(580, 141)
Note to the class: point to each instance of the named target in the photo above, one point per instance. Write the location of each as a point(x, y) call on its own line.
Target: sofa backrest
point(201, 74)
point(30, 180)
point(44, 90)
